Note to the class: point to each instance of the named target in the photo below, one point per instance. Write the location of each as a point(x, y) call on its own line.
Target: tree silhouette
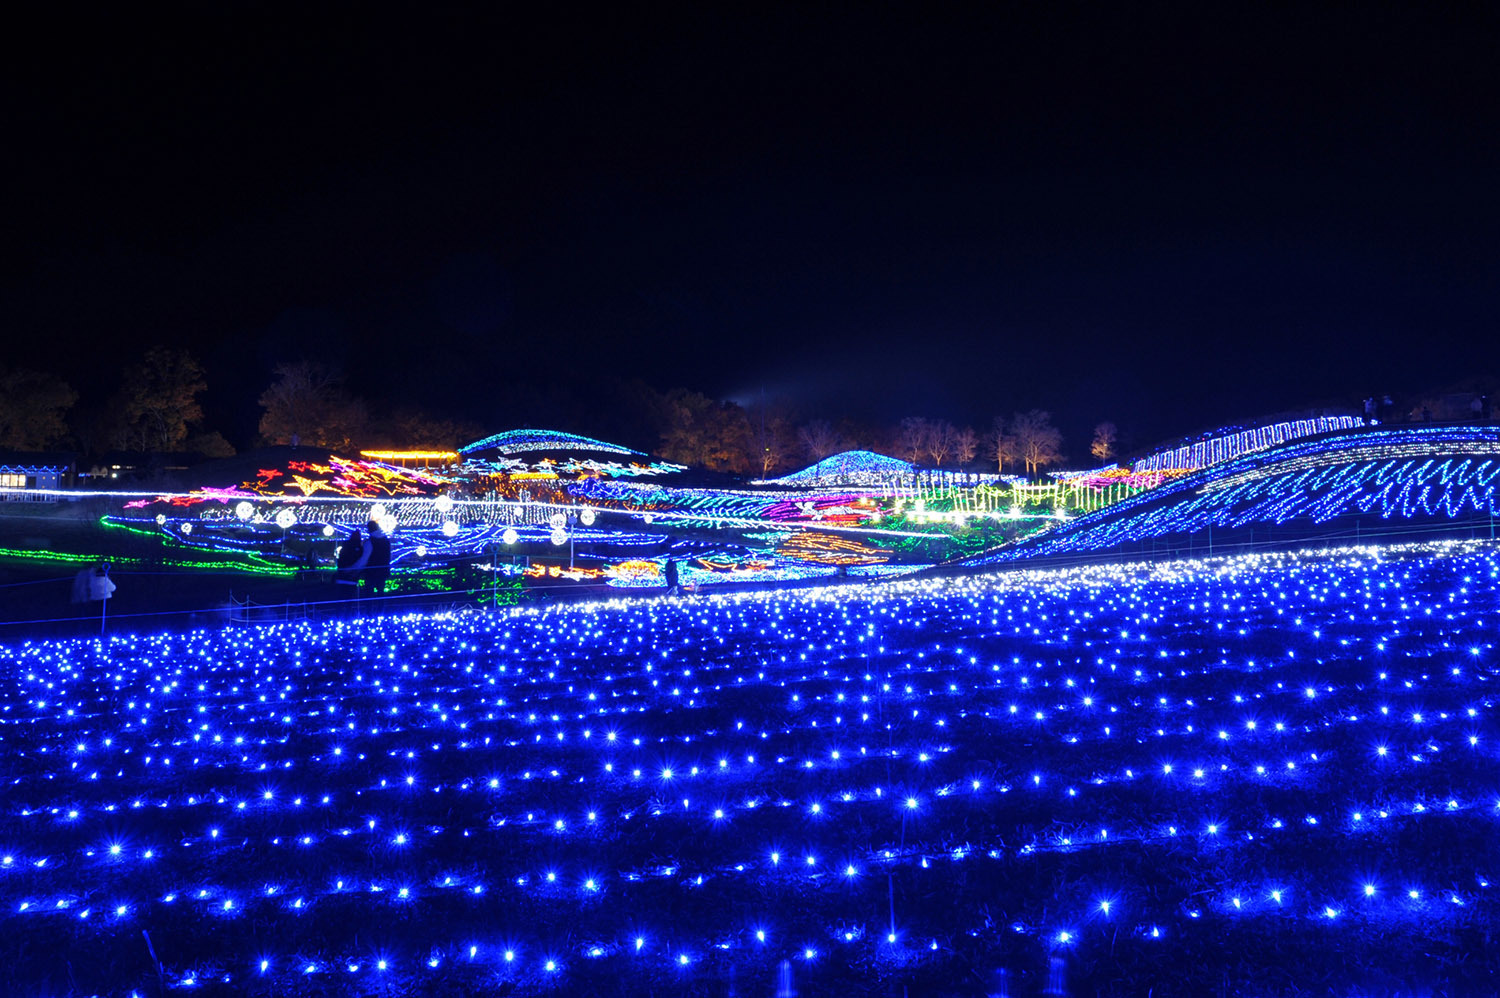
point(33, 407)
point(1002, 443)
point(965, 445)
point(940, 440)
point(1103, 445)
point(704, 433)
point(307, 403)
point(911, 438)
point(819, 439)
point(159, 399)
point(1038, 441)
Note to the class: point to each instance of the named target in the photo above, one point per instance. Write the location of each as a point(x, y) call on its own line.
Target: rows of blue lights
point(1394, 474)
point(1232, 768)
point(853, 467)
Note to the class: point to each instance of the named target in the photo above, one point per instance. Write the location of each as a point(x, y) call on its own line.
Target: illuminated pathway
point(1273, 771)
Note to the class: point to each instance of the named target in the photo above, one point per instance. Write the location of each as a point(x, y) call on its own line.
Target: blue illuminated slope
point(1401, 473)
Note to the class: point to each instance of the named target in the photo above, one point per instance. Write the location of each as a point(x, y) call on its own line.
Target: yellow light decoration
point(410, 455)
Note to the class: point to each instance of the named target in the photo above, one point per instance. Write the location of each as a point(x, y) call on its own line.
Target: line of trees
point(157, 407)
point(766, 438)
point(154, 408)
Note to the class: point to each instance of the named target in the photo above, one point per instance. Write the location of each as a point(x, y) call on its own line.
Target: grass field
point(1265, 775)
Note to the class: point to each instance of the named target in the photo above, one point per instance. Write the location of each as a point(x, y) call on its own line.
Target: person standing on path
point(378, 565)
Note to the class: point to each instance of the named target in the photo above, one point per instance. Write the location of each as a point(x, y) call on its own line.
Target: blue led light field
point(1271, 773)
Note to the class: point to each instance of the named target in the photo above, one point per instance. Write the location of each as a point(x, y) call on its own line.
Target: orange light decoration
point(827, 549)
point(636, 569)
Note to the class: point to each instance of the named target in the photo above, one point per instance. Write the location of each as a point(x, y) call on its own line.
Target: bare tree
point(911, 439)
point(819, 439)
point(1002, 444)
point(1039, 442)
point(772, 435)
point(966, 445)
point(1103, 445)
point(940, 440)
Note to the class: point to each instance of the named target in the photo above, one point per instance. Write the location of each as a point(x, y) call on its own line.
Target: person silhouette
point(352, 557)
point(378, 565)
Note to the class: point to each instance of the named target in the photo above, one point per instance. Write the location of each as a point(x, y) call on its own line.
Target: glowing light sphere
point(187, 528)
point(557, 521)
point(450, 529)
point(559, 536)
point(443, 503)
point(387, 523)
point(285, 519)
point(586, 517)
point(377, 511)
point(161, 519)
point(421, 550)
point(327, 530)
point(243, 509)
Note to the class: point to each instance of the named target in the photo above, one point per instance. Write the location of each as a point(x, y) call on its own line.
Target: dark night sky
point(1165, 219)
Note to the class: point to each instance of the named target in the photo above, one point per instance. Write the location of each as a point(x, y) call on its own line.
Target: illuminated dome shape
point(852, 467)
point(526, 441)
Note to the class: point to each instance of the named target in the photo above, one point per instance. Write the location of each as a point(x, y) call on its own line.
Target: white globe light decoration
point(327, 530)
point(559, 536)
point(187, 528)
point(421, 550)
point(387, 523)
point(510, 536)
point(649, 518)
point(285, 519)
point(450, 529)
point(444, 503)
point(377, 511)
point(243, 510)
point(586, 517)
point(161, 519)
point(558, 521)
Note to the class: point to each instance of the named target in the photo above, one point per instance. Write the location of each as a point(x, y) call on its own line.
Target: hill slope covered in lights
point(1271, 774)
point(1402, 474)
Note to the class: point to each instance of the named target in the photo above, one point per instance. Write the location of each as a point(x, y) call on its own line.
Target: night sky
point(1163, 219)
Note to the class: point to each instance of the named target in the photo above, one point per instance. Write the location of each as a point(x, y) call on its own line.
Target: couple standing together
point(366, 557)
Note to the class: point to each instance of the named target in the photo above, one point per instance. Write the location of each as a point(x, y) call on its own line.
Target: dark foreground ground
point(1269, 775)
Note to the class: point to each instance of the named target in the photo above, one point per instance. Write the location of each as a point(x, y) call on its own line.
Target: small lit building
point(26, 475)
